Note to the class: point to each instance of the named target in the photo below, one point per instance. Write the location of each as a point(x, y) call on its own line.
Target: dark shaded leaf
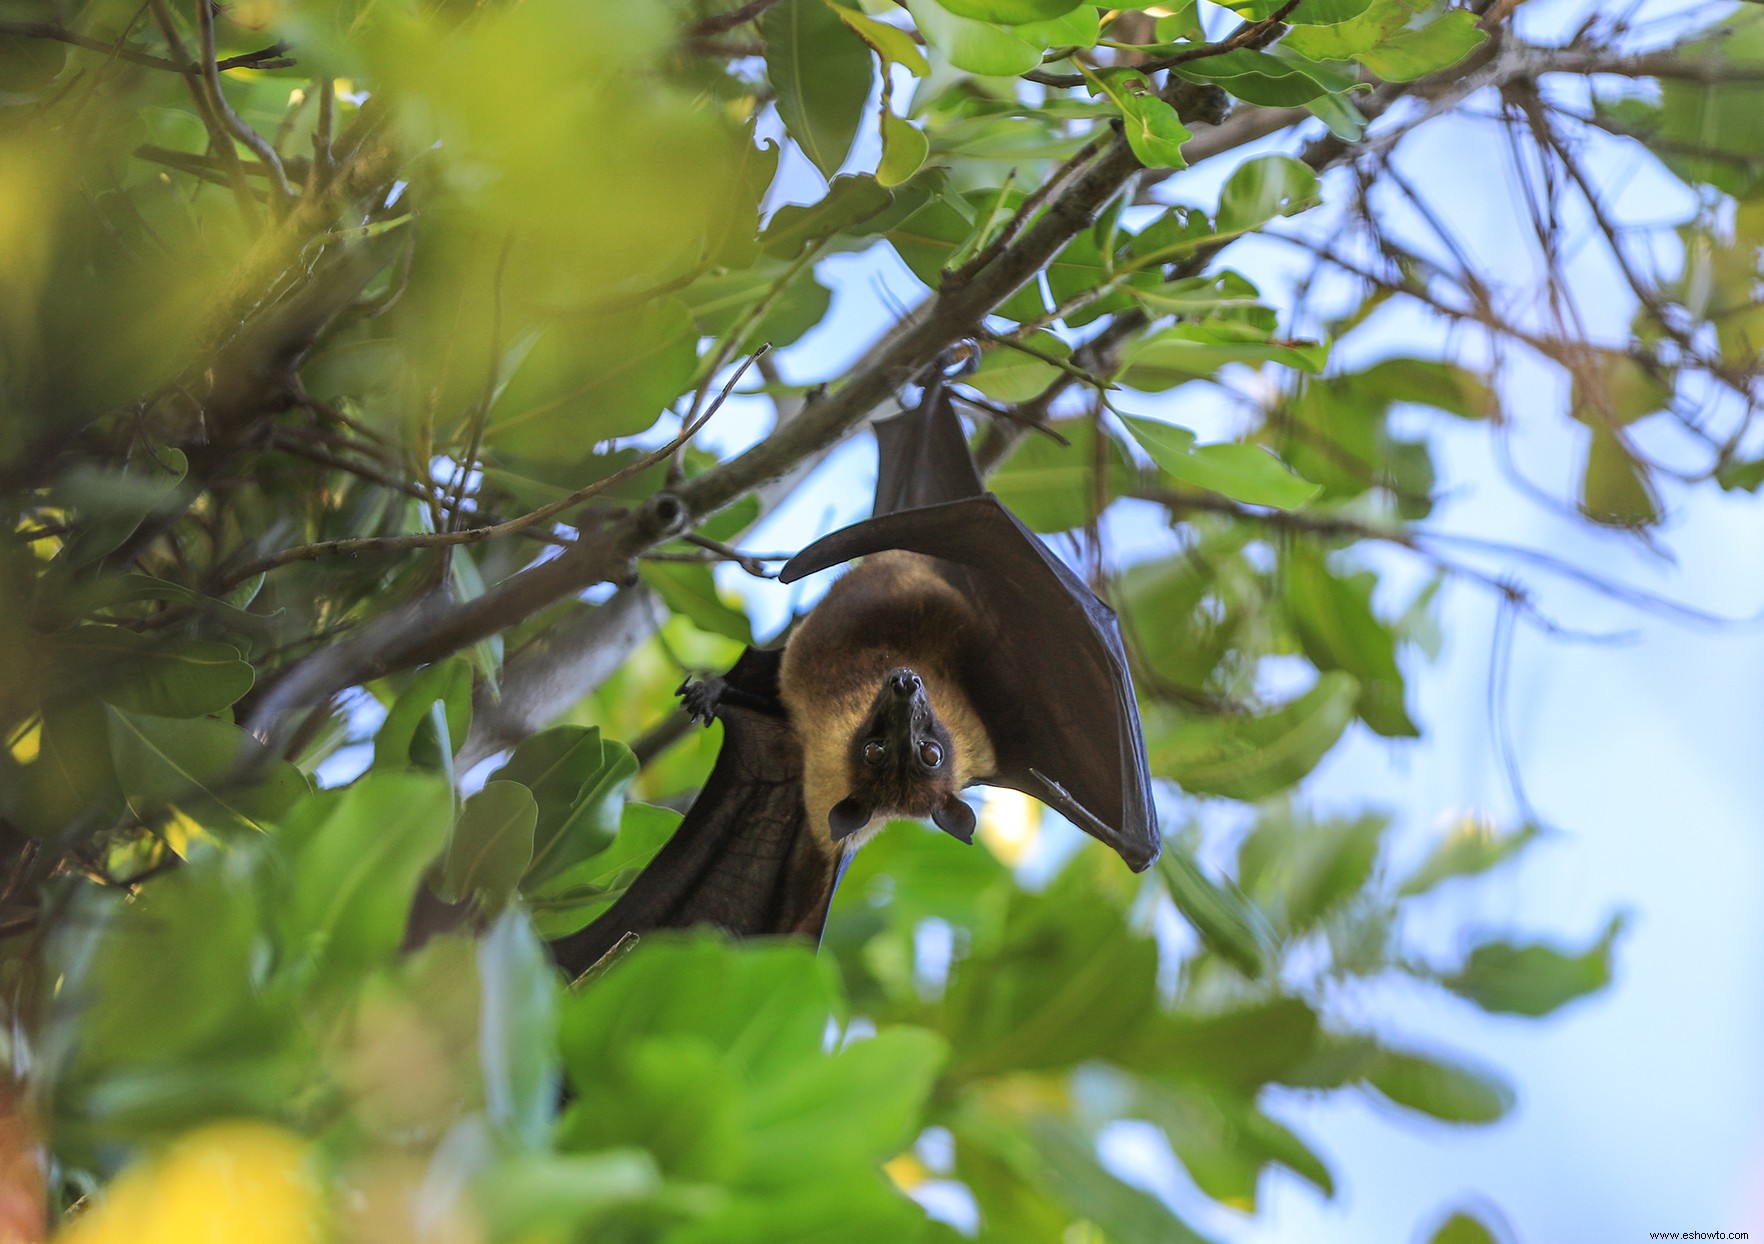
point(822, 73)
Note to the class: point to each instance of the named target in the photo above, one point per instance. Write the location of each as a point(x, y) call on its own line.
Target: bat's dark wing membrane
point(922, 458)
point(743, 858)
point(1052, 683)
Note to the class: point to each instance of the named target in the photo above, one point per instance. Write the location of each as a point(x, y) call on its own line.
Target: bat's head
point(902, 763)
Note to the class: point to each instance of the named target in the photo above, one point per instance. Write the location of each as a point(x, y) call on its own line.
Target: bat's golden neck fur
point(890, 611)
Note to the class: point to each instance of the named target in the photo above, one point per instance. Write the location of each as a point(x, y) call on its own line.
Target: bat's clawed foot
point(701, 699)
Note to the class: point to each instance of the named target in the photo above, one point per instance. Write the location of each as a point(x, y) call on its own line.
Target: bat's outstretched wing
point(1053, 691)
point(743, 858)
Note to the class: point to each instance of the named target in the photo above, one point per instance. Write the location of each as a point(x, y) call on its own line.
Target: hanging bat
point(958, 651)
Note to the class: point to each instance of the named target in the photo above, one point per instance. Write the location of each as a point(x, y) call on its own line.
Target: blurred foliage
point(350, 323)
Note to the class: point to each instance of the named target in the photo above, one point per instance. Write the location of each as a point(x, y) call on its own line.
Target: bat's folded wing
point(1052, 687)
point(743, 858)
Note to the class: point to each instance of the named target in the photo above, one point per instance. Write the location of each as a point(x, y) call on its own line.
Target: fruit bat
point(959, 650)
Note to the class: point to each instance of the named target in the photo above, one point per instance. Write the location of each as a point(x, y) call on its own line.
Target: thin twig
point(218, 135)
point(1026, 211)
point(1248, 35)
point(724, 22)
point(477, 535)
point(282, 192)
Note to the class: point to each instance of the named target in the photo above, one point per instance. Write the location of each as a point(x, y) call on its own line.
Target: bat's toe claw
point(701, 699)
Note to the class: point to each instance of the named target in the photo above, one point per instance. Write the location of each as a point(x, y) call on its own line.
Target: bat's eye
point(873, 752)
point(931, 755)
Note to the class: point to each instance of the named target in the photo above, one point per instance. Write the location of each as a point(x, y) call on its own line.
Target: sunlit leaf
point(357, 861)
point(1247, 473)
point(1263, 188)
point(1411, 54)
point(977, 46)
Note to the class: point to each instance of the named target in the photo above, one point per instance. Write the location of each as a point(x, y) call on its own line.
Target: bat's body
point(884, 625)
point(959, 650)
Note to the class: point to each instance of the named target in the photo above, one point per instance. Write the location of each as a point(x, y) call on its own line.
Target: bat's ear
point(848, 816)
point(954, 817)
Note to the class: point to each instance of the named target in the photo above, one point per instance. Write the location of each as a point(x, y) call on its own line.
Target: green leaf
point(1615, 488)
point(690, 590)
point(1712, 130)
point(849, 201)
point(1013, 375)
point(573, 896)
point(1425, 382)
point(1151, 125)
point(822, 74)
point(1071, 1170)
point(591, 820)
point(1741, 476)
point(764, 1006)
point(1462, 1228)
point(1341, 115)
point(1340, 40)
point(1192, 297)
point(1311, 12)
point(904, 148)
point(1335, 624)
point(179, 678)
point(1447, 1091)
point(528, 1195)
point(932, 236)
point(1533, 979)
point(1263, 188)
point(556, 766)
point(113, 504)
point(1301, 871)
point(492, 845)
point(858, 1108)
point(1253, 757)
point(196, 764)
point(1010, 12)
point(594, 380)
point(1241, 1048)
point(891, 43)
point(1079, 29)
point(1411, 54)
point(720, 303)
point(407, 736)
point(1247, 473)
point(1065, 982)
point(1263, 78)
point(170, 972)
point(978, 47)
point(1472, 847)
point(1051, 487)
point(1196, 351)
point(1224, 1143)
point(1229, 925)
point(518, 1016)
point(357, 860)
point(1613, 389)
point(1079, 267)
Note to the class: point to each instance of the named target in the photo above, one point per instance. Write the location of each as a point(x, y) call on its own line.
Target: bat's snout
point(904, 683)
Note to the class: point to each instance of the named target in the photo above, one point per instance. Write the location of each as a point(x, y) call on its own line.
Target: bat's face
point(902, 763)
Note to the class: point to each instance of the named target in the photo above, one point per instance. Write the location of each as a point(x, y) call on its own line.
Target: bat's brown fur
point(890, 611)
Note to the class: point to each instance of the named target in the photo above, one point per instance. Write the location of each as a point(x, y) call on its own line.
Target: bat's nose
point(903, 682)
